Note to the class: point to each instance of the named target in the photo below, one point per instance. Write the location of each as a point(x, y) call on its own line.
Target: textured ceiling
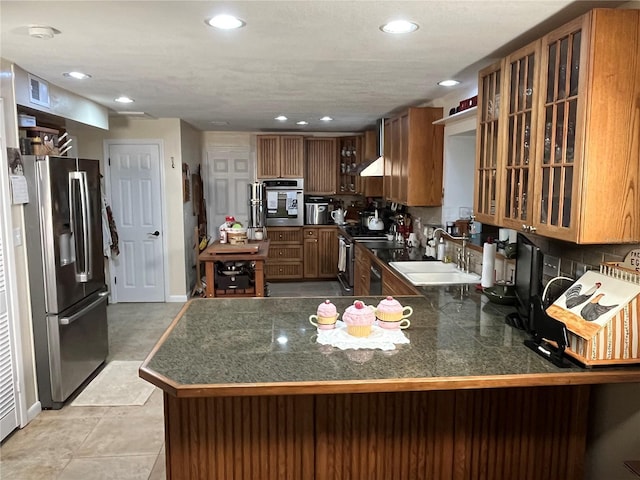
point(304, 59)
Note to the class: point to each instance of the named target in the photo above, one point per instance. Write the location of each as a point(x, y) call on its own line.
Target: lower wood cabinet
point(285, 254)
point(361, 280)
point(492, 433)
point(394, 284)
point(320, 252)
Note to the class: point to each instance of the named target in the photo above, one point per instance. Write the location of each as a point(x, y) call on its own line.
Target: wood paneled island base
point(250, 394)
point(536, 432)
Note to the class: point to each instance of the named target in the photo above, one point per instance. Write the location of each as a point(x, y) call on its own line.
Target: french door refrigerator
point(66, 273)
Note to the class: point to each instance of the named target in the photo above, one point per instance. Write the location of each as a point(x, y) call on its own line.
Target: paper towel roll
point(488, 265)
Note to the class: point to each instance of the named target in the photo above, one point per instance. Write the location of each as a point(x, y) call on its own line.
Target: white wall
point(20, 258)
point(191, 143)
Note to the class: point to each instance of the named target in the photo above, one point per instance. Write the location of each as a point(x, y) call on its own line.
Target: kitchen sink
point(433, 273)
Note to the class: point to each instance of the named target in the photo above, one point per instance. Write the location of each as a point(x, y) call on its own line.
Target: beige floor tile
point(109, 468)
point(153, 409)
point(32, 468)
point(68, 411)
point(48, 438)
point(123, 436)
point(159, 471)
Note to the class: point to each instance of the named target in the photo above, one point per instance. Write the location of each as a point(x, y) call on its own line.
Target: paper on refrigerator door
point(292, 203)
point(272, 201)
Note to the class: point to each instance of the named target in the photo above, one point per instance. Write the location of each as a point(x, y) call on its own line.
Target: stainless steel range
point(347, 235)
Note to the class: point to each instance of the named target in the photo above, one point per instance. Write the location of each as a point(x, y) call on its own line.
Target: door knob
point(155, 234)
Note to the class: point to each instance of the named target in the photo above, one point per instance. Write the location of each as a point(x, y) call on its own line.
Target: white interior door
point(228, 176)
point(136, 200)
point(9, 414)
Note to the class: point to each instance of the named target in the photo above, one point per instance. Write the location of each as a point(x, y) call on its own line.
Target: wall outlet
point(550, 266)
point(581, 269)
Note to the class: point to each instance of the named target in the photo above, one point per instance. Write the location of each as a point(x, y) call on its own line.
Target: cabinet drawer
point(283, 271)
point(310, 233)
point(284, 235)
point(280, 253)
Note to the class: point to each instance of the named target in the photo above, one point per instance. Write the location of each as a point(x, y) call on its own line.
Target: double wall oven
point(347, 236)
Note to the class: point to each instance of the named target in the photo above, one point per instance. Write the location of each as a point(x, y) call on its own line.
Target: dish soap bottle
point(441, 250)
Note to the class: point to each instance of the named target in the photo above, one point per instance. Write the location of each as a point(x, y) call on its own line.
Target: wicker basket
point(237, 236)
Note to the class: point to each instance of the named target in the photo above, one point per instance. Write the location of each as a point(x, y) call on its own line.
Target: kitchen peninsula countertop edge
point(266, 346)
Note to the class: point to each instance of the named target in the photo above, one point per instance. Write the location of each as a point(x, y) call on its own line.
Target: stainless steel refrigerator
point(66, 273)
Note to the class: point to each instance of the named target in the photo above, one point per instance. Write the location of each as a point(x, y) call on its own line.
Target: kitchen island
point(250, 394)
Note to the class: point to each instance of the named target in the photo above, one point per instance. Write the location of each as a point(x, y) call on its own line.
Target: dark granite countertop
point(258, 346)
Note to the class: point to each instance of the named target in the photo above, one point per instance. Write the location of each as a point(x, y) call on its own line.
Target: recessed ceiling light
point(219, 123)
point(302, 122)
point(326, 118)
point(77, 75)
point(225, 22)
point(281, 118)
point(124, 99)
point(41, 31)
point(399, 26)
point(448, 83)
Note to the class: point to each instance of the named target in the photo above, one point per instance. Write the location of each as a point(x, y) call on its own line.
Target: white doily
point(380, 338)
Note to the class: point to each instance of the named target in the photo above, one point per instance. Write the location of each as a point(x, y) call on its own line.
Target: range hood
point(375, 167)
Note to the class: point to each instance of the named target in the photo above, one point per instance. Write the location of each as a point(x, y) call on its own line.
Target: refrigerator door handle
point(102, 297)
point(85, 274)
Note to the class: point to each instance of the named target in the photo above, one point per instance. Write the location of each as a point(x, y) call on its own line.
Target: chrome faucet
point(463, 258)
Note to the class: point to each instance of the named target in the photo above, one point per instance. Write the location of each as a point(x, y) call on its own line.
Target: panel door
point(292, 156)
point(311, 252)
point(8, 384)
point(321, 166)
point(487, 145)
point(136, 203)
point(268, 155)
point(521, 87)
point(226, 185)
point(328, 254)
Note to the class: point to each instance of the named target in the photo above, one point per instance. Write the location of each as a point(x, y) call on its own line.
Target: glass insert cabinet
point(561, 156)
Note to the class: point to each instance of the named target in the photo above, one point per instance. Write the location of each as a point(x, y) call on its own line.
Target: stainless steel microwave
point(285, 202)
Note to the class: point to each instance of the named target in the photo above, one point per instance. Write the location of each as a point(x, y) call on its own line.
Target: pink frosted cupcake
point(390, 310)
point(359, 318)
point(325, 317)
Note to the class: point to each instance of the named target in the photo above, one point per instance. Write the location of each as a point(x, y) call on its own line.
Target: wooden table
point(254, 251)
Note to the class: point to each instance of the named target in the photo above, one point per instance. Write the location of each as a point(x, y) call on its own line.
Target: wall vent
point(38, 91)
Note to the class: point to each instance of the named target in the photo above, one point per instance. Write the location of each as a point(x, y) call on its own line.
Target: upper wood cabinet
point(370, 186)
point(587, 147)
point(567, 151)
point(413, 153)
point(518, 149)
point(280, 156)
point(350, 155)
point(487, 144)
point(321, 166)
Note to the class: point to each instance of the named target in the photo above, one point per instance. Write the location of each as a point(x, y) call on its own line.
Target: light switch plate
point(551, 266)
point(17, 237)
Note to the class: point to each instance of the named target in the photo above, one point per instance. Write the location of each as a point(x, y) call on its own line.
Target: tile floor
point(123, 443)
